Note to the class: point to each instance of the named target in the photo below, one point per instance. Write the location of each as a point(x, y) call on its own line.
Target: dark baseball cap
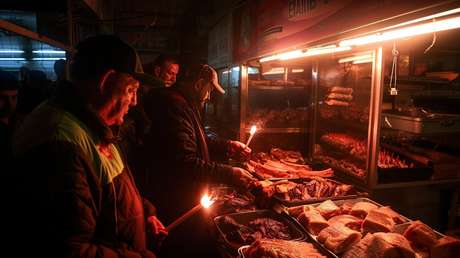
point(96, 55)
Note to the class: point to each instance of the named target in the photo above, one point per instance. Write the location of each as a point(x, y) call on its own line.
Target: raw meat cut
point(338, 238)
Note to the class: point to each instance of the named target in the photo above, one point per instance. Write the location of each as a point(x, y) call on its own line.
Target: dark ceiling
point(153, 26)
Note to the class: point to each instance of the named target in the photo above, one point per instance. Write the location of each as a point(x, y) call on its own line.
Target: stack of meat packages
point(339, 96)
point(359, 229)
point(283, 164)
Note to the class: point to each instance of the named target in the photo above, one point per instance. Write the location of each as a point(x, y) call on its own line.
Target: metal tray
point(244, 218)
point(321, 249)
point(400, 228)
point(352, 200)
point(420, 125)
point(221, 190)
point(338, 203)
point(316, 200)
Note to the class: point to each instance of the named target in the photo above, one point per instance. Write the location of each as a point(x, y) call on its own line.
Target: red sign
point(283, 24)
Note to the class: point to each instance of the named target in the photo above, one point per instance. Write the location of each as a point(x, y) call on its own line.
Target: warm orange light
point(305, 53)
point(251, 134)
point(355, 58)
point(430, 27)
point(363, 61)
point(276, 70)
point(253, 129)
point(206, 201)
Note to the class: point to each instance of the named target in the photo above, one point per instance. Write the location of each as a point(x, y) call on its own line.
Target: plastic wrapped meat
point(378, 221)
point(328, 209)
point(361, 209)
point(447, 247)
point(421, 235)
point(311, 219)
point(380, 245)
point(338, 238)
point(349, 221)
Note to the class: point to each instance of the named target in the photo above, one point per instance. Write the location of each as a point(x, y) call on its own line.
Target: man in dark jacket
point(75, 189)
point(178, 155)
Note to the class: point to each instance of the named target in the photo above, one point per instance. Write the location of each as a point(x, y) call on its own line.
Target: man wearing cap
point(76, 196)
point(177, 155)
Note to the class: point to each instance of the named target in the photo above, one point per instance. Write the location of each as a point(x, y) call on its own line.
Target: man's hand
point(243, 178)
point(238, 150)
point(157, 231)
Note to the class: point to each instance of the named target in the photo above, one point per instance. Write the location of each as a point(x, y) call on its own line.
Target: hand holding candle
point(251, 134)
point(206, 202)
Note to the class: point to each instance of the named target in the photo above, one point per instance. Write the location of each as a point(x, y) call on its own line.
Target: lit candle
point(206, 202)
point(251, 134)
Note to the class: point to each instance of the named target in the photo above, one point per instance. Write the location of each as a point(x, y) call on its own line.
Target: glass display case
point(420, 116)
point(343, 108)
point(276, 99)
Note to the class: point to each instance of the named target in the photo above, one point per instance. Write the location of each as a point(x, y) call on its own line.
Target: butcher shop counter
point(354, 227)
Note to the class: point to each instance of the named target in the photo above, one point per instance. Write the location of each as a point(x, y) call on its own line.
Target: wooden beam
point(6, 25)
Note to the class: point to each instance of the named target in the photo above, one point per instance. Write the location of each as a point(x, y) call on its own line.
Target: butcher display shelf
point(279, 87)
point(280, 130)
point(437, 123)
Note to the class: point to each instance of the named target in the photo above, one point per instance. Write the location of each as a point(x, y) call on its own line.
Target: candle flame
point(253, 129)
point(206, 201)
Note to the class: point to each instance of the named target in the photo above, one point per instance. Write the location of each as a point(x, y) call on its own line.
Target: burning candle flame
point(206, 201)
point(253, 129)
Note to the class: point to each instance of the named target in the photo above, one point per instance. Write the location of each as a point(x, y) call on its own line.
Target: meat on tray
point(381, 245)
point(233, 201)
point(343, 164)
point(346, 223)
point(274, 248)
point(283, 164)
point(311, 188)
point(378, 221)
point(421, 235)
point(256, 229)
point(285, 118)
point(312, 220)
point(338, 238)
point(356, 148)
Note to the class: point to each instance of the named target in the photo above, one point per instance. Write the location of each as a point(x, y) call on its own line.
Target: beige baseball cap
point(215, 80)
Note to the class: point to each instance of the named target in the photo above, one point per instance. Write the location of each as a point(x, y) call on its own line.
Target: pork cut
point(274, 248)
point(421, 235)
point(361, 209)
point(381, 245)
point(338, 238)
point(312, 220)
point(447, 247)
point(328, 209)
point(349, 221)
point(377, 221)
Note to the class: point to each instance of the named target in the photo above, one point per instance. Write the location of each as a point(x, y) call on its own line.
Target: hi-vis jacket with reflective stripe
point(80, 194)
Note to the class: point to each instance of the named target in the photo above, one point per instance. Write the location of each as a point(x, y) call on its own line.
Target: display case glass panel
point(420, 119)
point(343, 106)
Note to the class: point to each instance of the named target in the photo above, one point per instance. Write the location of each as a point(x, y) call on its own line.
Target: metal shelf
point(280, 130)
point(278, 87)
